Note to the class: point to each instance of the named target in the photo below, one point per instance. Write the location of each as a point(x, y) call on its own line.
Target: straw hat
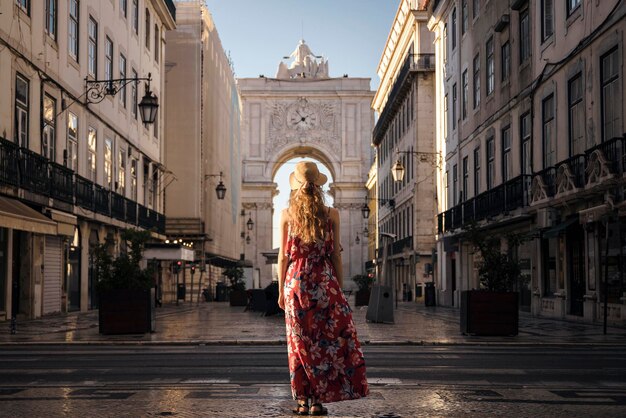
point(306, 171)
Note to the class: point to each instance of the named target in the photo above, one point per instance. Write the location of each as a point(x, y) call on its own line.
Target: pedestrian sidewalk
point(219, 323)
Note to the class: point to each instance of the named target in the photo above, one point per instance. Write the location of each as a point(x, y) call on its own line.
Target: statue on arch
point(305, 64)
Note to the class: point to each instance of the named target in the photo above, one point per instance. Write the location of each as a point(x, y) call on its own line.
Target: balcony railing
point(440, 223)
point(101, 200)
point(574, 167)
point(61, 183)
point(9, 168)
point(614, 151)
point(118, 206)
point(468, 210)
point(84, 192)
point(143, 216)
point(457, 216)
point(27, 170)
point(34, 175)
point(517, 192)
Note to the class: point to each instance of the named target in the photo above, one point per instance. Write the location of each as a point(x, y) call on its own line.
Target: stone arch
point(304, 151)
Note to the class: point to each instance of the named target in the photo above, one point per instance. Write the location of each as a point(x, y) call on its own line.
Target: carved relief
point(305, 122)
point(537, 190)
point(597, 168)
point(564, 179)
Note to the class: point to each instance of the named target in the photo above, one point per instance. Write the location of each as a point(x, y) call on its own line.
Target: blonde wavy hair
point(308, 212)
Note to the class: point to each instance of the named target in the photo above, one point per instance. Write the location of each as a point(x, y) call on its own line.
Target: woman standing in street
point(325, 359)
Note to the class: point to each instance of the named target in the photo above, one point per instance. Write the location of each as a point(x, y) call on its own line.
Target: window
point(549, 253)
point(455, 189)
point(476, 81)
point(92, 144)
point(92, 51)
point(454, 106)
point(445, 44)
point(491, 163)
point(446, 116)
point(22, 101)
point(108, 163)
point(72, 142)
point(611, 95)
point(136, 16)
point(123, 75)
point(491, 76)
point(524, 35)
point(108, 59)
point(51, 18)
point(124, 7)
point(547, 19)
point(147, 29)
point(464, 17)
point(475, 8)
point(576, 115)
point(572, 5)
point(464, 94)
point(133, 95)
point(506, 154)
point(464, 192)
point(476, 171)
point(133, 178)
point(526, 144)
point(73, 30)
point(48, 138)
point(506, 60)
point(453, 29)
point(24, 5)
point(121, 171)
point(157, 43)
point(446, 182)
point(547, 120)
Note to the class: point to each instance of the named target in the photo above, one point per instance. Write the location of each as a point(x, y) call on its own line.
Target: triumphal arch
point(304, 112)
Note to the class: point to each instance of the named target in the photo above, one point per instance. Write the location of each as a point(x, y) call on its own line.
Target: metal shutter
point(53, 262)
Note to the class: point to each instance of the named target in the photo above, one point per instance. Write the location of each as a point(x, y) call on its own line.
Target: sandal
point(301, 409)
point(320, 410)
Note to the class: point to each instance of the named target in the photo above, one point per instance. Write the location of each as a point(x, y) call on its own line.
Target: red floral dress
point(325, 359)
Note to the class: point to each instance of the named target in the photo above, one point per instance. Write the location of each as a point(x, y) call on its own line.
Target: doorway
point(576, 268)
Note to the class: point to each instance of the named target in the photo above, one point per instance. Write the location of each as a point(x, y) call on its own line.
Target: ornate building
point(76, 162)
point(303, 112)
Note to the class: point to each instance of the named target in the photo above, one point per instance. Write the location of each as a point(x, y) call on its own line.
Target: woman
point(325, 359)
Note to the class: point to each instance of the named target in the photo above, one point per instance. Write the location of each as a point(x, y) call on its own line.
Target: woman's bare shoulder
point(333, 213)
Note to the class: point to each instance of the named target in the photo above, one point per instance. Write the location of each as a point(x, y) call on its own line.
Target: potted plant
point(492, 309)
point(237, 289)
point(364, 282)
point(125, 290)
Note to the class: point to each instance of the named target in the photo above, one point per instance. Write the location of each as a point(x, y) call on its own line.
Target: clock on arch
point(302, 116)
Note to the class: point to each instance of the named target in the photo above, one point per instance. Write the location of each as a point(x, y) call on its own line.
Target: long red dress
point(325, 359)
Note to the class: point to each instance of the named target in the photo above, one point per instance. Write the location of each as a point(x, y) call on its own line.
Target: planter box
point(362, 297)
point(126, 311)
point(489, 313)
point(238, 298)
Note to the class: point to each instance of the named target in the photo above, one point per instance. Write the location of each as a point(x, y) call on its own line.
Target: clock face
point(302, 118)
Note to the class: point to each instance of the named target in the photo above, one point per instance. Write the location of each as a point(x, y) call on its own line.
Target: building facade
point(76, 166)
point(530, 120)
point(304, 112)
point(404, 136)
point(203, 121)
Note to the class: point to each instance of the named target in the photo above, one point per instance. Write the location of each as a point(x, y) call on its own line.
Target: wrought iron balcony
point(440, 223)
point(517, 192)
point(457, 216)
point(143, 216)
point(34, 172)
point(543, 185)
point(61, 183)
point(118, 206)
point(606, 161)
point(102, 200)
point(9, 167)
point(84, 193)
point(570, 174)
point(447, 220)
point(131, 211)
point(468, 210)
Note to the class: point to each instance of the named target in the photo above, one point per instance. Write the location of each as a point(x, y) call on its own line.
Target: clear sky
point(351, 34)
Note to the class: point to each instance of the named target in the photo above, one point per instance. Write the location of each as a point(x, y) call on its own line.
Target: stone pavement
point(219, 323)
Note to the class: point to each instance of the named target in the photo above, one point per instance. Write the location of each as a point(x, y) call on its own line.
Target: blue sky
point(351, 34)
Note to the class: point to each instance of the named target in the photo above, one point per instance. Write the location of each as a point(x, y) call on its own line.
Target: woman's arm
point(335, 256)
point(282, 258)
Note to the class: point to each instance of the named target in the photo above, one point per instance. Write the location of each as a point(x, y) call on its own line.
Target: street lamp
point(365, 210)
point(97, 90)
point(398, 170)
point(366, 232)
point(357, 240)
point(250, 223)
point(220, 189)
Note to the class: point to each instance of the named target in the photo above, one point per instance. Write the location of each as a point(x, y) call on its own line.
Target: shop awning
point(221, 261)
point(556, 230)
point(16, 215)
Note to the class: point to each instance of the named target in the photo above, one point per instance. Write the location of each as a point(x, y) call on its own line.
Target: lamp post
point(97, 90)
point(398, 170)
point(365, 210)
